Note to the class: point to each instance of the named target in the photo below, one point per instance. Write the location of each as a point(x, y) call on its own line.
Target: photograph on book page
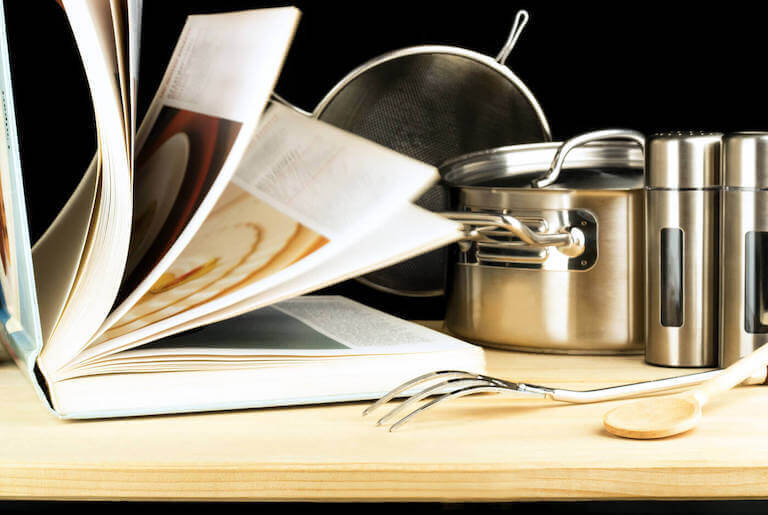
point(243, 240)
point(175, 169)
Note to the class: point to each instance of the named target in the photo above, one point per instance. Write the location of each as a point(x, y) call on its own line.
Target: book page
point(120, 33)
point(73, 316)
point(133, 10)
point(331, 180)
point(203, 115)
point(411, 231)
point(303, 191)
point(59, 251)
point(361, 328)
point(292, 331)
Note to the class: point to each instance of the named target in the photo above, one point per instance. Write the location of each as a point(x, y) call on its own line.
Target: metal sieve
point(434, 103)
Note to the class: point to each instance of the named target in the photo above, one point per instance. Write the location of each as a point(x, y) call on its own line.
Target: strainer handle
point(280, 100)
point(521, 19)
point(551, 175)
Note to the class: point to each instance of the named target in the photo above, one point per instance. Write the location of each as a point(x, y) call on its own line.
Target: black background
point(648, 66)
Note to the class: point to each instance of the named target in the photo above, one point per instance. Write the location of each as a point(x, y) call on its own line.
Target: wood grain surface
point(483, 448)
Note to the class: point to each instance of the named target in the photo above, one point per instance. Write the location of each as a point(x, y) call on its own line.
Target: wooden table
point(485, 448)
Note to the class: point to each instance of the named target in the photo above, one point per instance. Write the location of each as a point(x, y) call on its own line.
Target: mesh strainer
point(433, 103)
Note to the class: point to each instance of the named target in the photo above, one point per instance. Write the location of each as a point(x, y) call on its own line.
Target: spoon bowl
point(657, 417)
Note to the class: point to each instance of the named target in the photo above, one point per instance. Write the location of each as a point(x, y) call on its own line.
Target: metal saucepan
point(552, 262)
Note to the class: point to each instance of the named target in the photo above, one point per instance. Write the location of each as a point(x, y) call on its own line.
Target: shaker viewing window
point(672, 277)
point(756, 283)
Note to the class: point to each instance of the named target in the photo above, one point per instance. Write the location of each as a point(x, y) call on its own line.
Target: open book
point(219, 204)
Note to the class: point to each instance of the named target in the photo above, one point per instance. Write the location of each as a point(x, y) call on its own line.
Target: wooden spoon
point(658, 417)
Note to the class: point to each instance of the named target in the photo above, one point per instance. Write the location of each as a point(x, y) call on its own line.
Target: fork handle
point(760, 376)
point(629, 390)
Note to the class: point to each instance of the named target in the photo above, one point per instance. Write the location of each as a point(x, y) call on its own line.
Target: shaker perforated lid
point(745, 159)
point(683, 160)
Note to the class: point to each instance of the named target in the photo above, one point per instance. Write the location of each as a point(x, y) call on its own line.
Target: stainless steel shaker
point(681, 237)
point(744, 246)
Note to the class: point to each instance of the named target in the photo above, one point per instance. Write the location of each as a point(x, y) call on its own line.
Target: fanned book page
point(170, 280)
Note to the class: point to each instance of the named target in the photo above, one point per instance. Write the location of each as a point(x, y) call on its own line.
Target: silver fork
point(452, 384)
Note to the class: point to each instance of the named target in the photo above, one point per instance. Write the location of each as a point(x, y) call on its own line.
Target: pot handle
point(551, 175)
point(570, 241)
point(521, 19)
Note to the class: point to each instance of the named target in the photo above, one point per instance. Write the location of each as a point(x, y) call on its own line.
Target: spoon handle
point(732, 375)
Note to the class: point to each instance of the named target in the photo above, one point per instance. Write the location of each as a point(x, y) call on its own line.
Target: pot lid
point(595, 165)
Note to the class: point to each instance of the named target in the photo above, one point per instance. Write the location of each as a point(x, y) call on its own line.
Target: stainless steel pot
point(552, 263)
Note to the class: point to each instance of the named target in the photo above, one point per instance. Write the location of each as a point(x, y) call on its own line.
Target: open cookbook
point(140, 297)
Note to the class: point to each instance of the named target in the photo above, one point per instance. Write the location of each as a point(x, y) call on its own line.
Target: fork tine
point(457, 383)
point(413, 382)
point(450, 395)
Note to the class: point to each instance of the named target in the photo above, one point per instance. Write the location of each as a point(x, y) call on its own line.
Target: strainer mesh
point(432, 107)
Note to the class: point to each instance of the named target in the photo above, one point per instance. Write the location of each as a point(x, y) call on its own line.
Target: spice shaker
point(681, 238)
point(744, 246)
